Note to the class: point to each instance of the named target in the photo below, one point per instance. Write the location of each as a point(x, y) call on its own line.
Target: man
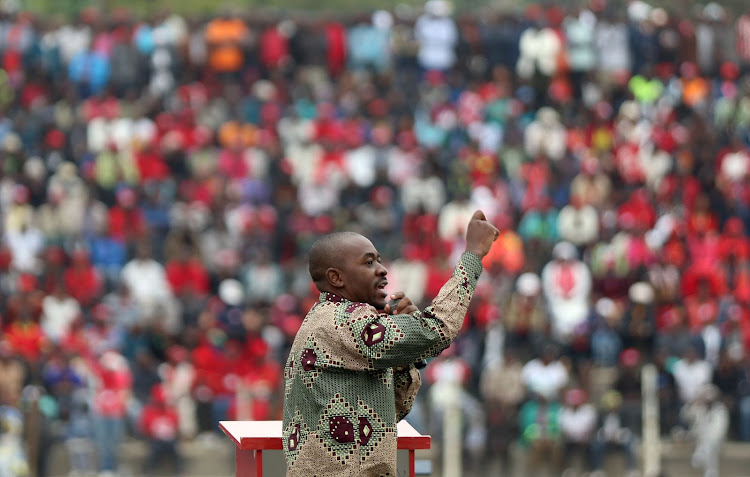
point(350, 375)
point(566, 284)
point(708, 419)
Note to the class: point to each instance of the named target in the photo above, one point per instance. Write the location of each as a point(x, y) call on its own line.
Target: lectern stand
point(258, 447)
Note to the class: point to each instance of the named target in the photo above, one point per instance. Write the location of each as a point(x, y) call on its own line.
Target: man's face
point(362, 273)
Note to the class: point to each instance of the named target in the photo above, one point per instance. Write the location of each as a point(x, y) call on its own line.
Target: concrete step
point(213, 456)
point(675, 462)
point(734, 460)
point(206, 456)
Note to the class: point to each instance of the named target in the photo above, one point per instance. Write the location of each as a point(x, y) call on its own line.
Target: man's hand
point(400, 304)
point(480, 234)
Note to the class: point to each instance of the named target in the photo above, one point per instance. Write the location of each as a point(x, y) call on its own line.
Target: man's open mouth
point(380, 287)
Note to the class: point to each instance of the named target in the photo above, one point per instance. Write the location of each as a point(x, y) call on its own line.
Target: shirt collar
point(330, 297)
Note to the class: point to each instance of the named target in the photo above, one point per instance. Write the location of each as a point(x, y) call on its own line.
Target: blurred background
point(165, 166)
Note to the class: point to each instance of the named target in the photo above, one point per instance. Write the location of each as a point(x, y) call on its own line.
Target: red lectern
point(251, 438)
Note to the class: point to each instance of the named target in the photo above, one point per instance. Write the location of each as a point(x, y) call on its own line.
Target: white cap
point(735, 166)
point(528, 284)
point(639, 11)
point(605, 307)
point(565, 251)
point(548, 116)
point(630, 110)
point(659, 16)
point(230, 292)
point(113, 361)
point(264, 90)
point(714, 11)
point(641, 293)
point(382, 20)
point(34, 168)
point(439, 8)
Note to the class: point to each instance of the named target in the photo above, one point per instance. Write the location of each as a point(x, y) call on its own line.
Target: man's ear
point(335, 277)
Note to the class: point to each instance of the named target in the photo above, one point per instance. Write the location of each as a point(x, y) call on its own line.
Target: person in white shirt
point(708, 418)
point(546, 375)
point(263, 279)
point(178, 377)
point(437, 36)
point(578, 423)
point(453, 218)
point(566, 284)
point(25, 246)
point(612, 434)
point(72, 39)
point(578, 223)
point(147, 281)
point(425, 192)
point(612, 46)
point(546, 135)
point(691, 373)
point(59, 309)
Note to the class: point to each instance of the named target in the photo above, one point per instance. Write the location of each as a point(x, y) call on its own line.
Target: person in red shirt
point(259, 385)
point(703, 273)
point(536, 175)
point(637, 210)
point(26, 298)
point(335, 47)
point(126, 221)
point(680, 186)
point(437, 274)
point(186, 274)
point(26, 338)
point(82, 280)
point(75, 342)
point(702, 307)
point(419, 242)
point(274, 48)
point(227, 367)
point(210, 377)
point(701, 219)
point(734, 247)
point(151, 163)
point(111, 396)
point(159, 423)
point(102, 105)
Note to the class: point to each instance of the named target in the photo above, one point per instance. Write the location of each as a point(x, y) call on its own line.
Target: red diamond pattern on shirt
point(336, 429)
point(293, 439)
point(365, 431)
point(308, 359)
point(342, 429)
point(373, 334)
point(294, 436)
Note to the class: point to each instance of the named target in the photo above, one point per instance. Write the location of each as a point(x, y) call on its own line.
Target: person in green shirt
point(350, 376)
point(541, 436)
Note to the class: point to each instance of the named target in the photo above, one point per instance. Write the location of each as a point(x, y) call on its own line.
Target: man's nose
point(382, 270)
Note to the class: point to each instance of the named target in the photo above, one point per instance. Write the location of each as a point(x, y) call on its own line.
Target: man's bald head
point(348, 265)
point(326, 252)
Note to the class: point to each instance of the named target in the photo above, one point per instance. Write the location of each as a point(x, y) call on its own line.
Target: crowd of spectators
point(162, 179)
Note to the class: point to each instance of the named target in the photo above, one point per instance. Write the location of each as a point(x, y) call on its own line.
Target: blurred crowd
point(161, 181)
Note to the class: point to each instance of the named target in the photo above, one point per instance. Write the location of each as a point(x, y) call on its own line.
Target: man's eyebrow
point(371, 255)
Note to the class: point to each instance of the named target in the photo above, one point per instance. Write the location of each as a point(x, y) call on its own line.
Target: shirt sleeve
point(407, 382)
point(370, 340)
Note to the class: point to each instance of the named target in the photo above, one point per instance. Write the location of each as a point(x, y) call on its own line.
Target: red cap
point(159, 394)
point(575, 397)
point(630, 357)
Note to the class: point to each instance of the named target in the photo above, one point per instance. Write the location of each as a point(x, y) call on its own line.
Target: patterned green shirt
point(349, 377)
